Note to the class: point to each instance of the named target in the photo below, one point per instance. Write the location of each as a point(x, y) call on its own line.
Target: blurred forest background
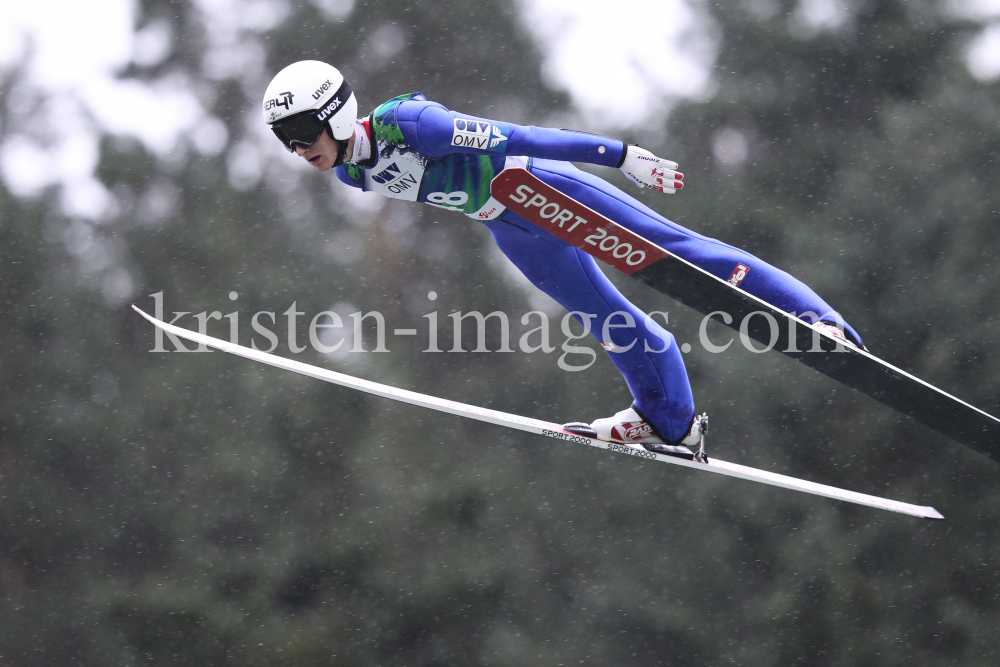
point(199, 509)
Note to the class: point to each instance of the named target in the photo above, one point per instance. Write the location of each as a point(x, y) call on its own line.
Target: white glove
point(648, 171)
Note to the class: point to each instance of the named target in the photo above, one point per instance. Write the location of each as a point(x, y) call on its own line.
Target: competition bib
point(397, 175)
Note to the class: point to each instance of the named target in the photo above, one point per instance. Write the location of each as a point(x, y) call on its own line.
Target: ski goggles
point(303, 129)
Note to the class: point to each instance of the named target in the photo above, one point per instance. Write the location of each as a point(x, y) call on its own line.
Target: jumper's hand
point(648, 171)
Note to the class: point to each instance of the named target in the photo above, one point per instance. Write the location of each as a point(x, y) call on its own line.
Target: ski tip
point(142, 312)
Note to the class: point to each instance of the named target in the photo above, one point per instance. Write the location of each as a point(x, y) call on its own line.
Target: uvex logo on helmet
point(284, 101)
point(318, 93)
point(328, 110)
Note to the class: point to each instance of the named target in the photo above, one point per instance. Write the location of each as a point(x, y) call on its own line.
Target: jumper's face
point(321, 154)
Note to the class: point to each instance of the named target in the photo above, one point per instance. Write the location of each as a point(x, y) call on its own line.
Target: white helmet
point(307, 97)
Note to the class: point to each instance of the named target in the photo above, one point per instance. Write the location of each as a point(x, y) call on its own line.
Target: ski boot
point(631, 428)
point(840, 335)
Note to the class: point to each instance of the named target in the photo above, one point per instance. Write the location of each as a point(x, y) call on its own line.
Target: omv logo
point(387, 175)
point(480, 134)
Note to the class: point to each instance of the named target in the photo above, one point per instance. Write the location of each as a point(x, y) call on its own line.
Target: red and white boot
point(631, 428)
point(839, 334)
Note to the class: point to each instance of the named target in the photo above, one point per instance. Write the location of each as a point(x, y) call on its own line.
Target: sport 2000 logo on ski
point(571, 221)
point(616, 251)
point(633, 451)
point(578, 439)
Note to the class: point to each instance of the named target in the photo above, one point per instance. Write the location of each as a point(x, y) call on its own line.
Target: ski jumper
point(423, 152)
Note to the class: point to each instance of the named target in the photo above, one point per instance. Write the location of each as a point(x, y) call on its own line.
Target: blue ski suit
point(423, 152)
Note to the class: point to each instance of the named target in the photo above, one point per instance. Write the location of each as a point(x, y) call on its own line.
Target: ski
point(634, 255)
point(539, 427)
